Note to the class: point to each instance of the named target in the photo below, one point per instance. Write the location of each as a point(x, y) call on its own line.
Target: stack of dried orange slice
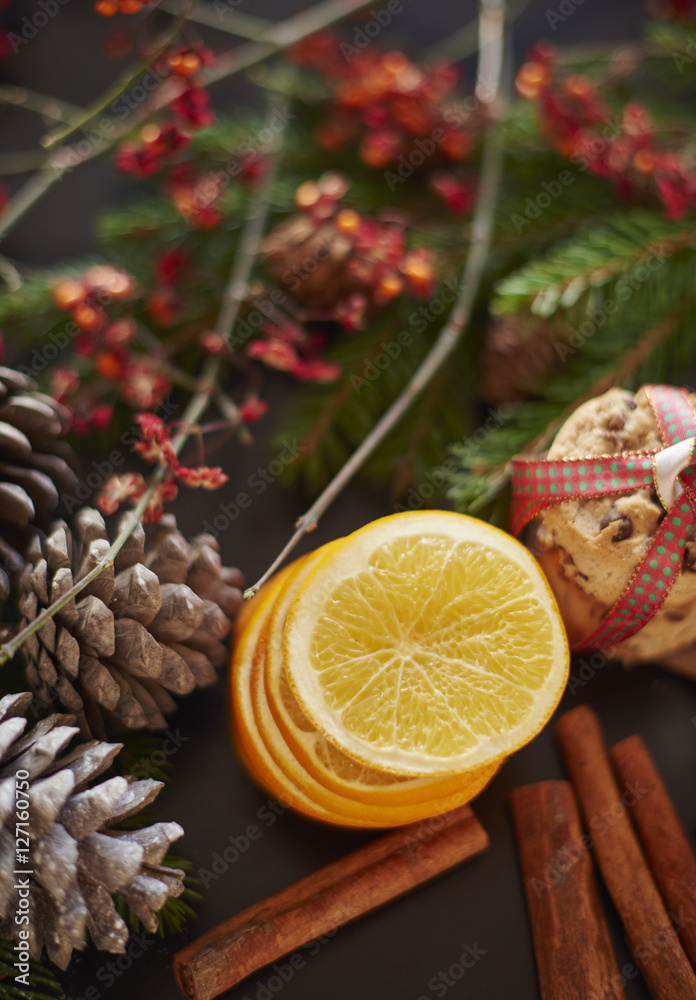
point(384, 678)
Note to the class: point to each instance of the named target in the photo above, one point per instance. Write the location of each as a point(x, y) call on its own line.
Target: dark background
point(394, 953)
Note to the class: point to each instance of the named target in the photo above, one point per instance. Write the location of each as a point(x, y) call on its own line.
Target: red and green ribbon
point(541, 483)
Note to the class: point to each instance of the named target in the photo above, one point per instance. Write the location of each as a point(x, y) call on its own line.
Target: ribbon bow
point(671, 470)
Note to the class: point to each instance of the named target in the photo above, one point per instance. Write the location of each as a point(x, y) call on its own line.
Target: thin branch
point(276, 38)
point(464, 42)
point(281, 36)
point(230, 411)
point(238, 283)
point(231, 21)
point(122, 84)
point(491, 34)
point(244, 258)
point(41, 104)
point(22, 162)
point(234, 293)
point(10, 275)
point(31, 192)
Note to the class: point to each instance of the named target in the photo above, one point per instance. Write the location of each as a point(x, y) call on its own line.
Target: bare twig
point(223, 17)
point(464, 42)
point(207, 383)
point(10, 275)
point(24, 161)
point(491, 34)
point(281, 36)
point(238, 283)
point(41, 104)
point(31, 192)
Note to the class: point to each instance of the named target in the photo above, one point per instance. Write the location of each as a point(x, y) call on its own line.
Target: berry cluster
point(622, 148)
point(104, 348)
point(340, 264)
point(159, 143)
point(164, 303)
point(387, 104)
point(288, 347)
point(156, 447)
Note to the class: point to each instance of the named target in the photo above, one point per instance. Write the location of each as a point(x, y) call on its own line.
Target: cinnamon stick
point(342, 891)
point(649, 931)
point(662, 835)
point(574, 954)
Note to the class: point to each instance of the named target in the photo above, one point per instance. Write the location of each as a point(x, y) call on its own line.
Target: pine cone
point(518, 352)
point(77, 861)
point(308, 260)
point(34, 465)
point(154, 626)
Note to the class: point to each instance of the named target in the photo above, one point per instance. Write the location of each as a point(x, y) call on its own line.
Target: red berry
point(108, 365)
point(68, 293)
point(121, 332)
point(87, 318)
point(164, 306)
point(106, 8)
point(532, 78)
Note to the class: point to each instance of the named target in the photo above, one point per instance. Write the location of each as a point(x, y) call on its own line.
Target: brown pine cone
point(152, 626)
point(308, 260)
point(75, 862)
point(34, 465)
point(518, 352)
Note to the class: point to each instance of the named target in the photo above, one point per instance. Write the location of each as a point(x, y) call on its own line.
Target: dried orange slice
point(426, 643)
point(325, 762)
point(248, 744)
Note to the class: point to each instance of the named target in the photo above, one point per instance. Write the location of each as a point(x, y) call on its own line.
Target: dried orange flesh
point(349, 811)
point(319, 757)
point(268, 760)
point(427, 643)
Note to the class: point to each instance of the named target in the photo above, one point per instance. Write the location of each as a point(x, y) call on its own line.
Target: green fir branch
point(43, 984)
point(589, 260)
